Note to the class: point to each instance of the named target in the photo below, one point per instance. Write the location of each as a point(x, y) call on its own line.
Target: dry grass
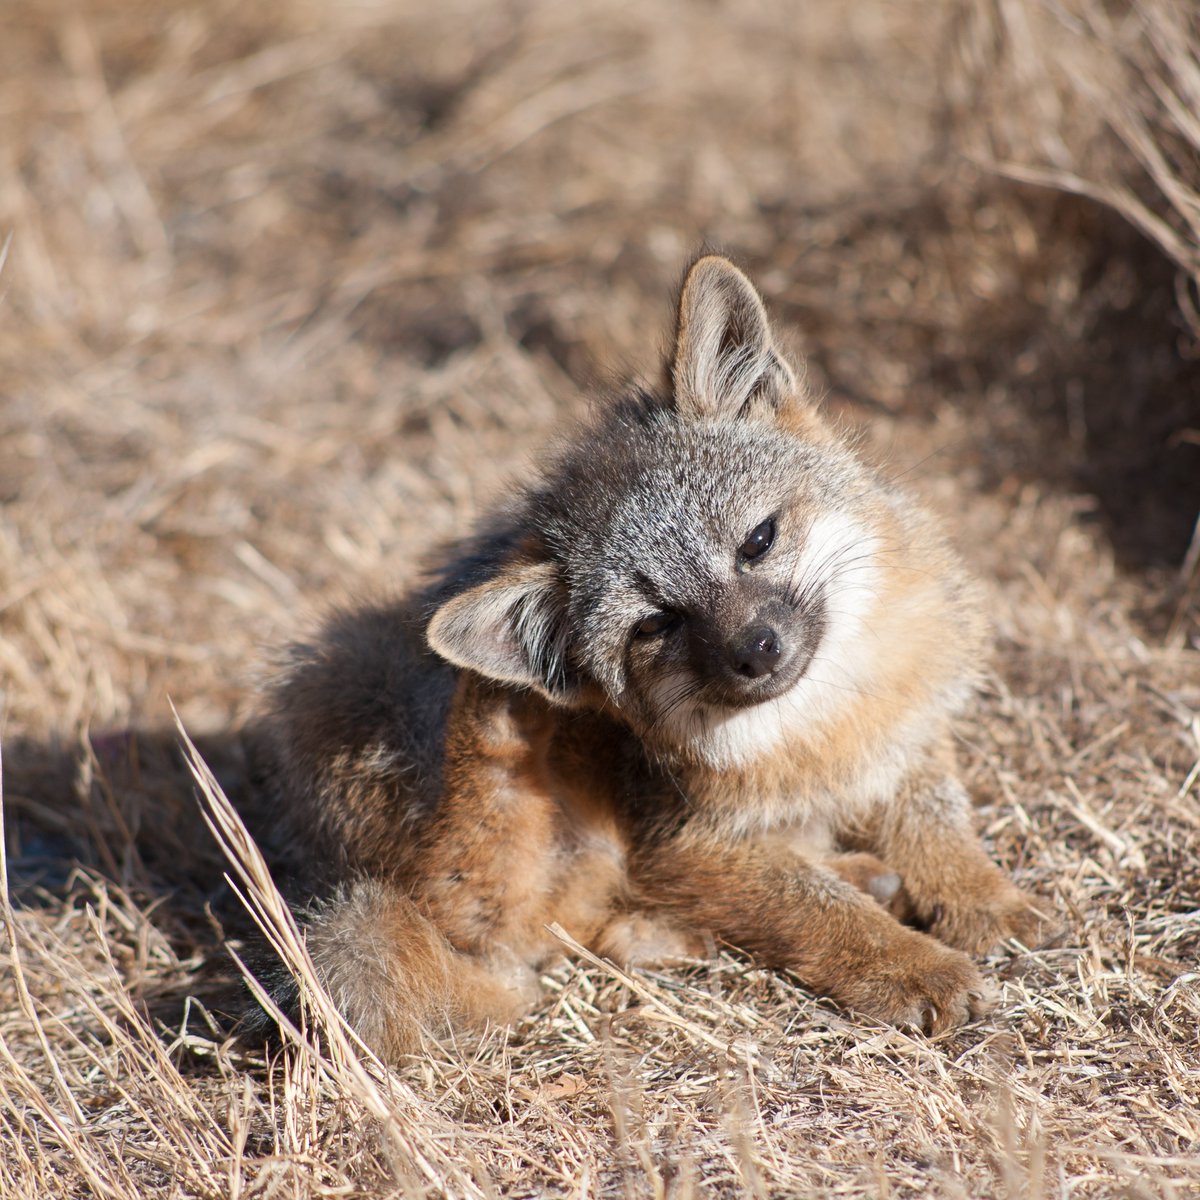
point(294, 286)
point(1100, 100)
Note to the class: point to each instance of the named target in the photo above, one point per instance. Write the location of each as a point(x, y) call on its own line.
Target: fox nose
point(755, 652)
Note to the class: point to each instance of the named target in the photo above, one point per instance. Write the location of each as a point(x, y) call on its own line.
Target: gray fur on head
point(644, 516)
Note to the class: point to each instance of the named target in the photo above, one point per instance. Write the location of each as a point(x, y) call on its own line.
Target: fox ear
point(511, 629)
point(725, 363)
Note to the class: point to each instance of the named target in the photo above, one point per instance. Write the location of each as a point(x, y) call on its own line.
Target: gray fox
point(695, 681)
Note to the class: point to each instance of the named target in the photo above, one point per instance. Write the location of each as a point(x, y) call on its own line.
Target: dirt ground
point(291, 290)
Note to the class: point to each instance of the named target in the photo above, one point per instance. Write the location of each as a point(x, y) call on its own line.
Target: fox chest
point(803, 797)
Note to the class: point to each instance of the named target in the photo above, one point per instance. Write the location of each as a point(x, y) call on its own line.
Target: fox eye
point(656, 624)
point(759, 541)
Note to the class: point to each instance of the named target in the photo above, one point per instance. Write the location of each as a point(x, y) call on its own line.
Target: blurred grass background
point(292, 288)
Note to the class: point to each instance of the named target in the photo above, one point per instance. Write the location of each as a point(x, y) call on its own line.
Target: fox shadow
point(118, 811)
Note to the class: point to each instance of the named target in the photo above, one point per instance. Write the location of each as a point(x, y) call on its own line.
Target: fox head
point(701, 563)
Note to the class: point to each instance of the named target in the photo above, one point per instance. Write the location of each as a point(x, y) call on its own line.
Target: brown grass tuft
point(1098, 100)
point(292, 287)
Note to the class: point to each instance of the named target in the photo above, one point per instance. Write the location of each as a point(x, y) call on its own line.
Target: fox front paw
point(926, 987)
point(977, 924)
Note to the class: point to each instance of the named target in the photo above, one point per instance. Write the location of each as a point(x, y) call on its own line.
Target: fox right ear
point(510, 629)
point(725, 362)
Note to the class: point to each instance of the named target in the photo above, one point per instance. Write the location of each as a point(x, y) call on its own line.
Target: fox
point(693, 683)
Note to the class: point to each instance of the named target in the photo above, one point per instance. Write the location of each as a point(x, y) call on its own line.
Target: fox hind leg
point(871, 875)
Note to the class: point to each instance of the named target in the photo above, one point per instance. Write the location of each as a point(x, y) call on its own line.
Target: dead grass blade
point(336, 1052)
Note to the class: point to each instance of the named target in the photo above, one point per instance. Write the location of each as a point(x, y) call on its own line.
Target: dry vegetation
point(293, 286)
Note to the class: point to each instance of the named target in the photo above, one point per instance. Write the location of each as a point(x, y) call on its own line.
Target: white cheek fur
point(840, 559)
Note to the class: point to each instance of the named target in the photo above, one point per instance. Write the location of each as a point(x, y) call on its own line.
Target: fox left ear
point(725, 362)
point(510, 629)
